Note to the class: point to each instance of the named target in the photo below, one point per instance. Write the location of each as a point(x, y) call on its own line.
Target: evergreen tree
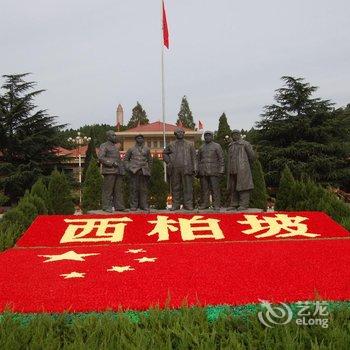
point(185, 115)
point(138, 116)
point(92, 188)
point(223, 131)
point(259, 194)
point(28, 137)
point(284, 189)
point(59, 193)
point(158, 188)
point(40, 190)
point(3, 198)
point(90, 154)
point(306, 133)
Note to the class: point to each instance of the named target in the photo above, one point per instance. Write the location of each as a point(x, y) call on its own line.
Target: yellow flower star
point(145, 259)
point(73, 275)
point(121, 268)
point(71, 255)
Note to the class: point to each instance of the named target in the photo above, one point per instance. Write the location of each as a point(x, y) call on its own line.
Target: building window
point(155, 144)
point(149, 144)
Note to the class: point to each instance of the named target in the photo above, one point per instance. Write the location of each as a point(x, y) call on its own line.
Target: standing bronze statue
point(211, 166)
point(138, 161)
point(113, 172)
point(239, 172)
point(180, 157)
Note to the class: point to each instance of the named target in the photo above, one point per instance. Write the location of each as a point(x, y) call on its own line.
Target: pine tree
point(285, 189)
point(92, 188)
point(40, 190)
point(307, 134)
point(185, 115)
point(259, 194)
point(138, 116)
point(59, 193)
point(158, 188)
point(28, 137)
point(90, 154)
point(223, 131)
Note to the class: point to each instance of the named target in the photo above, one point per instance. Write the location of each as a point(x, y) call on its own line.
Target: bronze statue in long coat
point(239, 172)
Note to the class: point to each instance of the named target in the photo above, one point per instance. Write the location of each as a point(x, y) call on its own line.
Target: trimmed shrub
point(9, 234)
point(92, 188)
point(259, 195)
point(283, 198)
point(15, 216)
point(59, 194)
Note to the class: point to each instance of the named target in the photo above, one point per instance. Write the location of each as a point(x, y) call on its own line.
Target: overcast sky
point(225, 55)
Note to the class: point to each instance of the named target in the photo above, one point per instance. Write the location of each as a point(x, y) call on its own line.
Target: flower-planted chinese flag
point(136, 261)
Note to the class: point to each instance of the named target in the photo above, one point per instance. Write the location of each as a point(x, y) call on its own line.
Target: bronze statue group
point(183, 163)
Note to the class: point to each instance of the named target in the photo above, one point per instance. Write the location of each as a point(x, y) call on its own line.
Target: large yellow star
point(71, 255)
point(121, 268)
point(145, 259)
point(135, 251)
point(73, 274)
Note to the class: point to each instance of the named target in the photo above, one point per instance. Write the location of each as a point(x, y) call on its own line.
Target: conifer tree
point(90, 154)
point(28, 137)
point(305, 132)
point(259, 194)
point(158, 188)
point(138, 116)
point(185, 116)
point(40, 190)
point(59, 193)
point(92, 188)
point(285, 189)
point(223, 131)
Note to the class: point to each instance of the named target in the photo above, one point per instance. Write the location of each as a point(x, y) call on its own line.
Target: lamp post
point(79, 141)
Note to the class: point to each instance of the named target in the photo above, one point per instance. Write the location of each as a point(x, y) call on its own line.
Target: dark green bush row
point(307, 195)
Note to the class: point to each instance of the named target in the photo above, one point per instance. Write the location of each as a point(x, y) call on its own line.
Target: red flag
point(165, 29)
point(200, 125)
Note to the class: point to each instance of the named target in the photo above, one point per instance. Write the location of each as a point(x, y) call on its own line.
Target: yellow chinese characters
point(188, 227)
point(97, 230)
point(281, 225)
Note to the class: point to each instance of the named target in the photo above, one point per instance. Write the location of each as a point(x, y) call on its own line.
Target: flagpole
point(162, 76)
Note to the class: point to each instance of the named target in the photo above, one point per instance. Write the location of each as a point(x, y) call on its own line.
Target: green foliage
point(90, 154)
point(186, 328)
point(223, 130)
point(306, 133)
point(59, 193)
point(185, 116)
point(283, 198)
point(15, 216)
point(39, 189)
point(28, 209)
point(92, 188)
point(3, 198)
point(138, 116)
point(9, 234)
point(310, 196)
point(37, 202)
point(158, 188)
point(259, 195)
point(28, 137)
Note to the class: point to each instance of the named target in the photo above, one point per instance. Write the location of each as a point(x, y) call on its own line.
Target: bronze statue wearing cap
point(180, 157)
point(113, 172)
point(138, 161)
point(211, 166)
point(239, 172)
